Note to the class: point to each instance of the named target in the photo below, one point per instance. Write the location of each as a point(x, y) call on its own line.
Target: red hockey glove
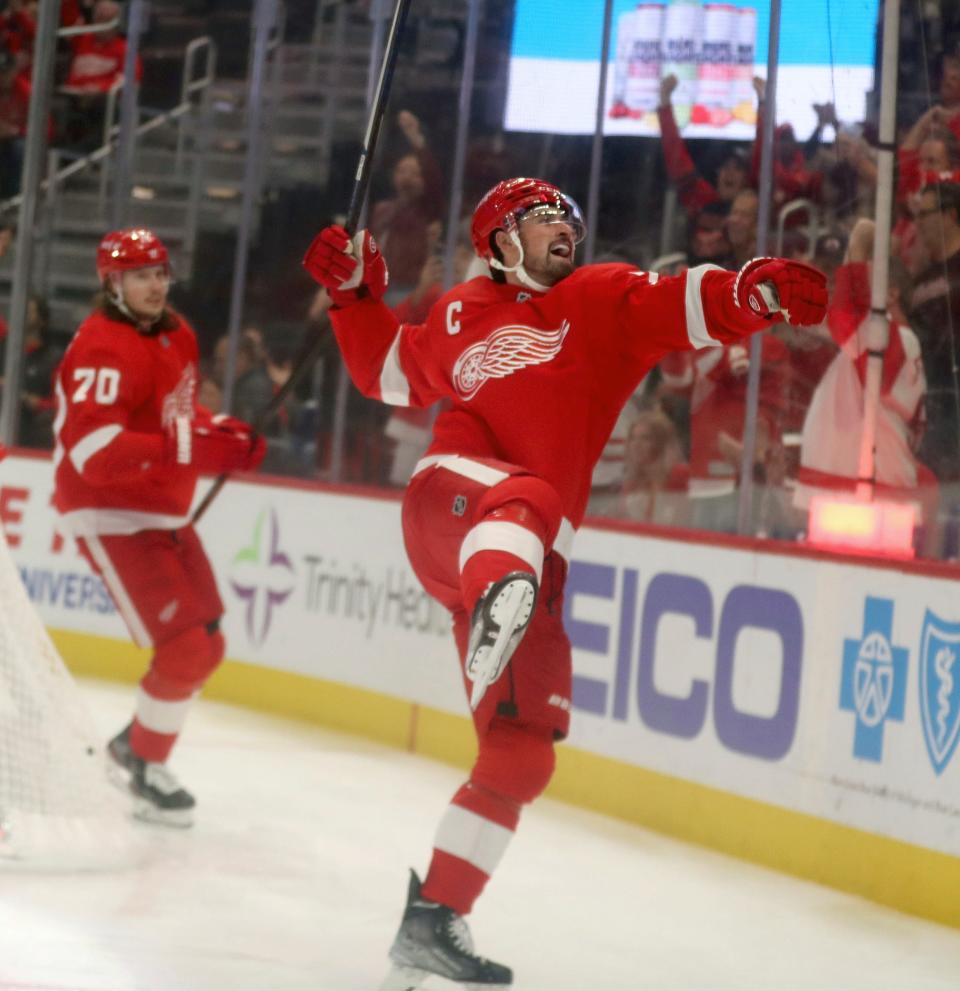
point(220, 444)
point(779, 289)
point(348, 269)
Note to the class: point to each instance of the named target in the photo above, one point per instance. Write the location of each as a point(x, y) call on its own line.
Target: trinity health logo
point(262, 576)
point(874, 680)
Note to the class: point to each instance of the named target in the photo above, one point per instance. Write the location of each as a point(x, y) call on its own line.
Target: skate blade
point(144, 811)
point(404, 979)
point(117, 776)
point(511, 612)
point(412, 979)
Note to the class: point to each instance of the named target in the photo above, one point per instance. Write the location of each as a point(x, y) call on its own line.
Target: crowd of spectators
point(812, 384)
point(675, 456)
point(89, 64)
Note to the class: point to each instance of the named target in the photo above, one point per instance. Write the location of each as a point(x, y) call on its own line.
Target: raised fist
point(667, 85)
point(215, 444)
point(412, 131)
point(826, 114)
point(778, 289)
point(349, 269)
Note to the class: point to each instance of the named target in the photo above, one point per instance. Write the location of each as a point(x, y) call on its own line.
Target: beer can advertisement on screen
point(714, 50)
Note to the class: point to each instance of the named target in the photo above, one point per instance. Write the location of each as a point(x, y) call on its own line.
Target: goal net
point(57, 809)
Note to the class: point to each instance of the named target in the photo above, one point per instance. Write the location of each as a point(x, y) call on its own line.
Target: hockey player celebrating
point(536, 363)
point(131, 442)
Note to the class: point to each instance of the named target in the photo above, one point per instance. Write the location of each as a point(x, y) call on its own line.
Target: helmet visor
point(563, 211)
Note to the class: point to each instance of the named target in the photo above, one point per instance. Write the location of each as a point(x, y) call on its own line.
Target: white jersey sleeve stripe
point(472, 838)
point(394, 387)
point(501, 535)
point(696, 321)
point(160, 715)
point(95, 441)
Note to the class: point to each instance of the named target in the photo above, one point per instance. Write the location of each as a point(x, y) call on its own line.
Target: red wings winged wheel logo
point(505, 351)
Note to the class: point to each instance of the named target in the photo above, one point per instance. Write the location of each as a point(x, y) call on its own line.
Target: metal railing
point(100, 28)
point(190, 86)
point(58, 174)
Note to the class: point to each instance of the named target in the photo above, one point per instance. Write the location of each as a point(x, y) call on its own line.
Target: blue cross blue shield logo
point(940, 688)
point(874, 684)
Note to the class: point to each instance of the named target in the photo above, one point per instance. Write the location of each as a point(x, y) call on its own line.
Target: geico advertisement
point(829, 689)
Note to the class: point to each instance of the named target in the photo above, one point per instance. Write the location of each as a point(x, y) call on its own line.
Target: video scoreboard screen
point(713, 49)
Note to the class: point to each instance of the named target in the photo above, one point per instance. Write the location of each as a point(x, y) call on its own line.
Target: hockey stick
point(310, 350)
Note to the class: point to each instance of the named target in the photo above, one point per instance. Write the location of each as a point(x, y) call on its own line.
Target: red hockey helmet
point(504, 205)
point(122, 251)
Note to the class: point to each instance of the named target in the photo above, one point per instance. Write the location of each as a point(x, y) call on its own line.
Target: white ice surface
point(294, 877)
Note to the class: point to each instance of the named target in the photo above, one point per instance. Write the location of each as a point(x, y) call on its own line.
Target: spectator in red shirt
point(98, 58)
point(18, 26)
point(76, 12)
point(402, 223)
point(833, 426)
point(695, 191)
point(929, 146)
point(717, 416)
point(928, 153)
point(97, 66)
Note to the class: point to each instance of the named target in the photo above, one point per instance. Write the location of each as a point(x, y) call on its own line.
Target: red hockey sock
point(179, 669)
point(151, 746)
point(162, 706)
point(473, 835)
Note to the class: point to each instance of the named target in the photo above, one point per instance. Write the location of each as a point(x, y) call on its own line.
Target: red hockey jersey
point(116, 391)
point(538, 379)
point(830, 450)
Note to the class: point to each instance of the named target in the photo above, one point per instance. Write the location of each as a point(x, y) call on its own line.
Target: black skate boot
point(157, 795)
point(500, 619)
point(434, 940)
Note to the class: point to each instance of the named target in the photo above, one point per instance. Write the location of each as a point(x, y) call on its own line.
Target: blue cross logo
point(874, 684)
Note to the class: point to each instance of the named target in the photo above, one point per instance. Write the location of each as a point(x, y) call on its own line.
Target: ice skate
point(157, 795)
point(500, 618)
point(434, 941)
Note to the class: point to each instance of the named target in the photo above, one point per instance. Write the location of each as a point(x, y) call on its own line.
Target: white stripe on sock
point(501, 535)
point(472, 838)
point(161, 716)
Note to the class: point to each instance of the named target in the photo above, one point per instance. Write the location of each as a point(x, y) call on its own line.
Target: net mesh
point(57, 807)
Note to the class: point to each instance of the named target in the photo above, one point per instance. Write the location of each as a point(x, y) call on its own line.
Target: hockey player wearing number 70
point(130, 444)
point(536, 363)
